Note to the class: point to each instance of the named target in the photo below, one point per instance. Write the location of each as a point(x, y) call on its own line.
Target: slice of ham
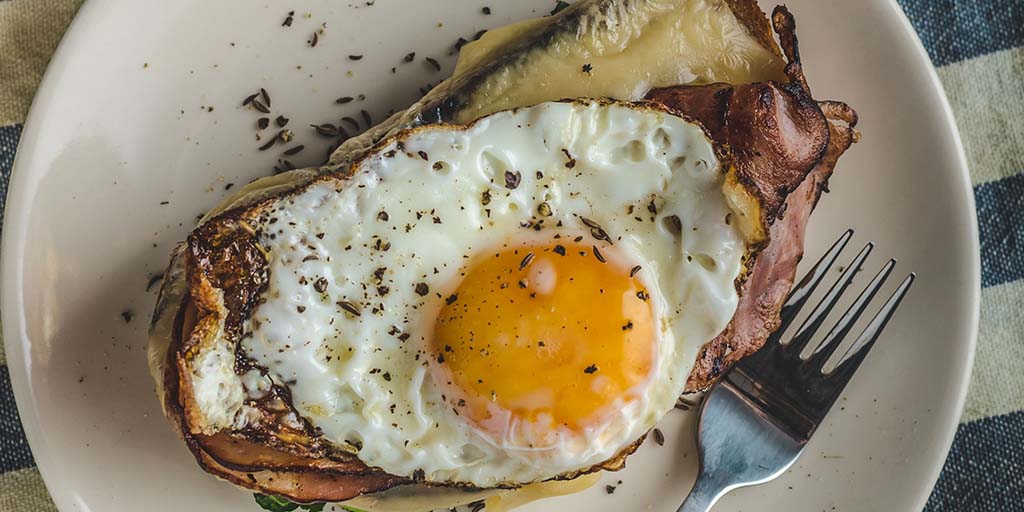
point(773, 271)
point(785, 146)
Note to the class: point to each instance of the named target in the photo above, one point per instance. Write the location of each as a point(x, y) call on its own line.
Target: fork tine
point(817, 316)
point(860, 348)
point(798, 296)
point(839, 331)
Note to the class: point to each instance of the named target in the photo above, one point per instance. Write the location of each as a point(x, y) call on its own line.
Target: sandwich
point(497, 292)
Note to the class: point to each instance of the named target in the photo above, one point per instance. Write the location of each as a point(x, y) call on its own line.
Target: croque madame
point(497, 292)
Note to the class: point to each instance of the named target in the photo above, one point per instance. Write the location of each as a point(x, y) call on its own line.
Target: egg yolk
point(545, 338)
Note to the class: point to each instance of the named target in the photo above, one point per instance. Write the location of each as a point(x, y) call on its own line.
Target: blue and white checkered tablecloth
point(978, 48)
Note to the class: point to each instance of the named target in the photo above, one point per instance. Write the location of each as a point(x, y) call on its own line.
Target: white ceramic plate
point(121, 124)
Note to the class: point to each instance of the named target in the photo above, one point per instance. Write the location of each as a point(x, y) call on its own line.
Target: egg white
point(416, 208)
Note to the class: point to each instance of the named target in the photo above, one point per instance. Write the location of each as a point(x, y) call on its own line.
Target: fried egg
point(503, 302)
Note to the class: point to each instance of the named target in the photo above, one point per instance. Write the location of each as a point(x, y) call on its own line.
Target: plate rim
point(17, 207)
point(14, 213)
point(953, 130)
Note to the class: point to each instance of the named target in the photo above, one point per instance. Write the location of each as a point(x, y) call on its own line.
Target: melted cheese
point(629, 48)
point(621, 55)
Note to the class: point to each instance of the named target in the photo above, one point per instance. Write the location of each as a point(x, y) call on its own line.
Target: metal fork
point(757, 420)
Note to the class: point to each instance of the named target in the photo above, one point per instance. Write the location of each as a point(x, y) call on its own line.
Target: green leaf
point(351, 509)
point(273, 503)
point(313, 507)
point(558, 7)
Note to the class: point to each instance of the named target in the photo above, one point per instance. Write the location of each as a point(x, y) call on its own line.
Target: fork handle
point(704, 494)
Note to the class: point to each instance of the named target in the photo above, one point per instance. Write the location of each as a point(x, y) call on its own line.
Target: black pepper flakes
point(127, 316)
point(326, 129)
point(320, 285)
point(351, 122)
point(409, 57)
point(268, 144)
point(570, 161)
point(559, 250)
point(259, 105)
point(350, 307)
point(288, 20)
point(486, 11)
point(590, 369)
point(383, 216)
point(451, 299)
point(422, 289)
point(433, 63)
point(590, 224)
point(526, 261)
point(281, 121)
point(587, 68)
point(512, 179)
point(344, 99)
point(675, 224)
point(263, 123)
point(559, 7)
point(355, 57)
point(634, 270)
